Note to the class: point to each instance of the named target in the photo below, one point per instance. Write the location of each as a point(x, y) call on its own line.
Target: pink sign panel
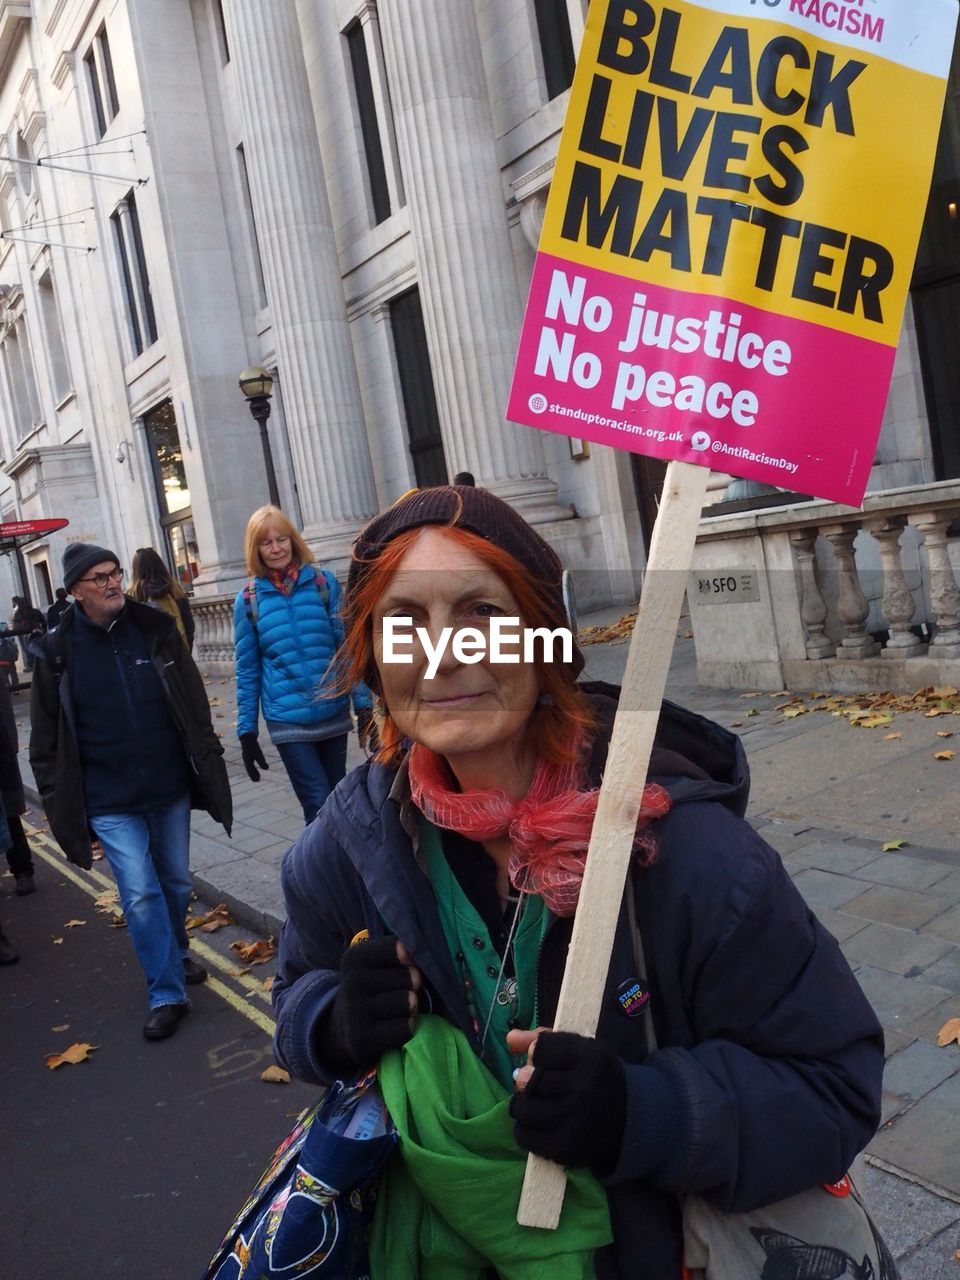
point(694, 377)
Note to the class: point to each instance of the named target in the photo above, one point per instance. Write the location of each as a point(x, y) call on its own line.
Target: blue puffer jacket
point(283, 660)
point(767, 1076)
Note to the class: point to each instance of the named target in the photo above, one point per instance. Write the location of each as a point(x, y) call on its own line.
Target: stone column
point(471, 299)
point(897, 604)
point(321, 395)
point(853, 608)
point(942, 582)
point(813, 609)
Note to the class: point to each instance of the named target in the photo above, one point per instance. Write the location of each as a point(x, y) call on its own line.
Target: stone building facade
point(347, 192)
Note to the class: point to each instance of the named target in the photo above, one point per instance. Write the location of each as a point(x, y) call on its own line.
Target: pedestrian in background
point(152, 583)
point(122, 744)
point(287, 629)
point(28, 623)
point(58, 608)
point(8, 660)
point(18, 851)
point(8, 953)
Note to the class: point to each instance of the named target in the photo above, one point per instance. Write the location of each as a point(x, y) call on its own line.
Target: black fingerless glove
point(574, 1108)
point(373, 1010)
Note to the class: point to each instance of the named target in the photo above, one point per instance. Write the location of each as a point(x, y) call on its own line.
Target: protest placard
point(731, 231)
point(722, 272)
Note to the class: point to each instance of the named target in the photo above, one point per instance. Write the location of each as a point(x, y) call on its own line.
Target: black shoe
point(193, 973)
point(7, 953)
point(25, 884)
point(163, 1020)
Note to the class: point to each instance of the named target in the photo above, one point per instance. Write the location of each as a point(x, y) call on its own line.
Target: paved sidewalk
point(827, 796)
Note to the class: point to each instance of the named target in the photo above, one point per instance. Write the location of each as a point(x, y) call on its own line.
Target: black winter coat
point(54, 755)
point(770, 1056)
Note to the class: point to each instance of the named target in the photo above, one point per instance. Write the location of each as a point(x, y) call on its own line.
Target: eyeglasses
point(101, 579)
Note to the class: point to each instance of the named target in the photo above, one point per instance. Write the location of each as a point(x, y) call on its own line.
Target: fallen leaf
point(889, 737)
point(65, 1027)
point(258, 952)
point(107, 901)
point(944, 755)
point(238, 973)
point(268, 982)
point(275, 1075)
point(892, 846)
point(937, 711)
point(791, 713)
point(73, 924)
point(874, 722)
point(218, 918)
point(753, 712)
point(947, 691)
point(944, 733)
point(78, 1052)
point(949, 1032)
point(57, 942)
point(736, 724)
point(119, 921)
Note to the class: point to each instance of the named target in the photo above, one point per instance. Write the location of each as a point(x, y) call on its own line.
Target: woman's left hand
point(571, 1099)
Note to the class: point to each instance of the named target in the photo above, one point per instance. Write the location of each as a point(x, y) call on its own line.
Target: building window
point(103, 86)
point(556, 44)
point(24, 165)
point(251, 225)
point(222, 40)
point(375, 114)
point(936, 290)
point(133, 267)
point(50, 314)
point(21, 380)
point(416, 388)
point(173, 493)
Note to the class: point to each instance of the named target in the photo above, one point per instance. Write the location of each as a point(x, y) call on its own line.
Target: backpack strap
point(250, 602)
point(323, 586)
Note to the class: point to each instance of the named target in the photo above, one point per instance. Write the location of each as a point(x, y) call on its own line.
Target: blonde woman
point(287, 630)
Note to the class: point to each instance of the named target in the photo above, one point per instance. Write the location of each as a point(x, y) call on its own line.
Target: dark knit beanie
point(481, 512)
point(81, 556)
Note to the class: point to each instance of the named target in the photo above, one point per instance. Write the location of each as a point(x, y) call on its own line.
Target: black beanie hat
point(481, 512)
point(81, 556)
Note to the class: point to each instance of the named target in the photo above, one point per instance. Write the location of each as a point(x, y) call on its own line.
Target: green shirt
point(513, 1001)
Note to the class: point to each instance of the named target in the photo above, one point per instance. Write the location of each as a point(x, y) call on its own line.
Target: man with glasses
point(122, 745)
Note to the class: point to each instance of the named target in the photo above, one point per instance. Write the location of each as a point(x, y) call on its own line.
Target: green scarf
point(447, 1204)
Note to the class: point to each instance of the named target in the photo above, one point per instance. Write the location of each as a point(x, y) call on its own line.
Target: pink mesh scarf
point(549, 828)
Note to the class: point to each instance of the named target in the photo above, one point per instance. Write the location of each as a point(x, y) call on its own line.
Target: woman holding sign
point(430, 909)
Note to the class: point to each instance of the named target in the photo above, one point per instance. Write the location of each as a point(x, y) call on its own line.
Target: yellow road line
point(82, 880)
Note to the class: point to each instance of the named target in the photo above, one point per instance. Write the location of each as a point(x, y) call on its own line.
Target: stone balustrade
point(213, 644)
point(821, 595)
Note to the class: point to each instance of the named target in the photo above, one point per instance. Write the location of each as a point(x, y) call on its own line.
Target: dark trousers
point(19, 857)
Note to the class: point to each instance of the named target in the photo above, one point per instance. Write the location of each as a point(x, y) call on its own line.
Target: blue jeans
point(314, 769)
point(150, 854)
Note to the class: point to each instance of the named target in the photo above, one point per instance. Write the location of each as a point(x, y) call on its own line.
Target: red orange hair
point(562, 715)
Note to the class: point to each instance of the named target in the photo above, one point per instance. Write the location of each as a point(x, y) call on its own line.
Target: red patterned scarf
point(549, 828)
point(285, 579)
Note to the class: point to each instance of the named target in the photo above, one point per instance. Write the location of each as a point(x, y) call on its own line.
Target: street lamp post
point(257, 384)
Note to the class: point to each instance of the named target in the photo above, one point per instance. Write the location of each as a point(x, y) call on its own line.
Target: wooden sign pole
point(621, 793)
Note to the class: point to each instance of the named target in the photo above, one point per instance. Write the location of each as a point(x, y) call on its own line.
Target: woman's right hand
point(376, 1004)
point(252, 756)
